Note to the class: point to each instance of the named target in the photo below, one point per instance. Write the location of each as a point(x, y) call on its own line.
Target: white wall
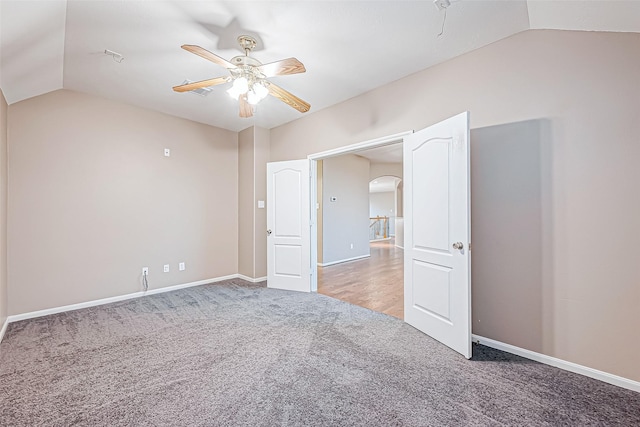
point(585, 86)
point(345, 221)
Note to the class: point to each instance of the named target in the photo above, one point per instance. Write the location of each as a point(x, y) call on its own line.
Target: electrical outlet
point(145, 271)
point(181, 266)
point(166, 268)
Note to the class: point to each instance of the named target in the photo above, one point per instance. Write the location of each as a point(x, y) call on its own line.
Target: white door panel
point(436, 192)
point(288, 244)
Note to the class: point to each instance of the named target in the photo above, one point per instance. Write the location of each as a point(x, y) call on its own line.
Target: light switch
point(260, 204)
point(167, 152)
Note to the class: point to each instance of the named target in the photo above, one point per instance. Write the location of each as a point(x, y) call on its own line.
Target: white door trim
point(313, 158)
point(372, 143)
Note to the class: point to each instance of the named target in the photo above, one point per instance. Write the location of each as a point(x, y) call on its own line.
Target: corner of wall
point(4, 294)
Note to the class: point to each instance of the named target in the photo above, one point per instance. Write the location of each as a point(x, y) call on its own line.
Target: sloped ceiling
point(348, 47)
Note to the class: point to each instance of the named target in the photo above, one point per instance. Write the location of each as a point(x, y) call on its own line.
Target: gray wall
point(584, 85)
point(511, 232)
point(92, 200)
point(345, 221)
point(384, 204)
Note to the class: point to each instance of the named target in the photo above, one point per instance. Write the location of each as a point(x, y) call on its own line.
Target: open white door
point(288, 222)
point(437, 274)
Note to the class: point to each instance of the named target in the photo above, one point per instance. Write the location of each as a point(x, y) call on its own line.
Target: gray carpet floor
point(236, 354)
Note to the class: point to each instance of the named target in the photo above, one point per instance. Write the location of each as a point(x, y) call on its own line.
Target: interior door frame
point(313, 193)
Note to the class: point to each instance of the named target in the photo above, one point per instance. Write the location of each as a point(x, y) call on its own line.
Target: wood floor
point(375, 282)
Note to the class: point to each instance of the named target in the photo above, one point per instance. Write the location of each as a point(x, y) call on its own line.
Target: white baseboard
point(249, 279)
point(559, 363)
point(380, 240)
point(401, 247)
point(326, 264)
point(4, 328)
point(48, 311)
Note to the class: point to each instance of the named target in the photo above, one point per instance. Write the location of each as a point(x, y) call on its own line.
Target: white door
point(288, 222)
point(437, 274)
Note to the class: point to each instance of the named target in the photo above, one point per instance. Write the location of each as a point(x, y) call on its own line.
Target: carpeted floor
point(235, 354)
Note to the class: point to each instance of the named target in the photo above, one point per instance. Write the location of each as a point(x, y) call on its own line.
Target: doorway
point(436, 265)
point(353, 264)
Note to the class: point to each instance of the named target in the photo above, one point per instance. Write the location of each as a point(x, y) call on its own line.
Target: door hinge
point(469, 245)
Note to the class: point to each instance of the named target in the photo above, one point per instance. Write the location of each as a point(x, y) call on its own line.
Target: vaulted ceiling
point(347, 47)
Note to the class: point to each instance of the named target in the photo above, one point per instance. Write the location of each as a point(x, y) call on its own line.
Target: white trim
point(559, 363)
point(4, 328)
point(401, 247)
point(249, 279)
point(71, 307)
point(378, 142)
point(355, 258)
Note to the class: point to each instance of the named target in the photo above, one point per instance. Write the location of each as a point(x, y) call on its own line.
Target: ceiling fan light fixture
point(249, 77)
point(240, 86)
point(260, 89)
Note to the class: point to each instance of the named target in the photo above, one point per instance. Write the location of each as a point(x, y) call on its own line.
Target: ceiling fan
point(249, 77)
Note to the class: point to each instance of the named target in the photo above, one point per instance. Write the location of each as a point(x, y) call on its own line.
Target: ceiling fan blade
point(245, 108)
point(203, 83)
point(283, 67)
point(289, 98)
point(204, 53)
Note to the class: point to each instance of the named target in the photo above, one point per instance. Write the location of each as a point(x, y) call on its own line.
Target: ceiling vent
point(203, 91)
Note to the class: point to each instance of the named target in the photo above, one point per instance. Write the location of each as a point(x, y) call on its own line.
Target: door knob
point(458, 246)
point(268, 232)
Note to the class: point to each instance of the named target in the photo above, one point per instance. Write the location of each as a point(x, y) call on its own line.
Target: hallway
point(375, 282)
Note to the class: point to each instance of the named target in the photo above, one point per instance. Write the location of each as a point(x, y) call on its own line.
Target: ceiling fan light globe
point(233, 93)
point(260, 90)
point(241, 85)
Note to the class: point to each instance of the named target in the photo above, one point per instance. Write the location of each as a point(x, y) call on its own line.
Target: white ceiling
point(385, 154)
point(348, 47)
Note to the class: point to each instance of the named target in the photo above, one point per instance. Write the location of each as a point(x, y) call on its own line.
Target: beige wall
point(376, 170)
point(261, 148)
point(245, 202)
point(253, 155)
point(585, 86)
point(92, 200)
point(3, 210)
